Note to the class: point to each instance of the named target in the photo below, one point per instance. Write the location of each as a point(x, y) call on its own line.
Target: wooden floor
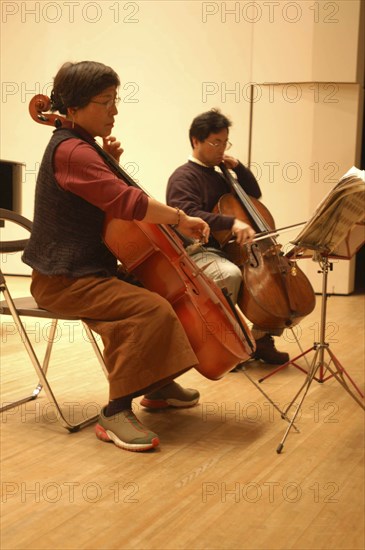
point(216, 481)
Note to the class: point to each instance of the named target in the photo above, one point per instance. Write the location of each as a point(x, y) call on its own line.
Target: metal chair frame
point(27, 307)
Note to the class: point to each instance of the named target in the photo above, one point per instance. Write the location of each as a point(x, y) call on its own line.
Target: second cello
point(275, 293)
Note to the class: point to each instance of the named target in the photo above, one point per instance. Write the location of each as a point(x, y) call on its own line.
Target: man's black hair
point(208, 123)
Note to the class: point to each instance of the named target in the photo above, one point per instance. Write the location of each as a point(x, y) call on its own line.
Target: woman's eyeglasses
point(109, 103)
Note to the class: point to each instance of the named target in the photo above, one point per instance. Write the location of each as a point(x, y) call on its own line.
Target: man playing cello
point(196, 188)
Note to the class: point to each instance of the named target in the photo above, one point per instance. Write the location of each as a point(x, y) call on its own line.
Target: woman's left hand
point(112, 147)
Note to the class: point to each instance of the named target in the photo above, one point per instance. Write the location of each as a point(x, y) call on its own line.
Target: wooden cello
point(275, 293)
point(155, 255)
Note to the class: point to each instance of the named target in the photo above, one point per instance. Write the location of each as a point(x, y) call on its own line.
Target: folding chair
point(27, 307)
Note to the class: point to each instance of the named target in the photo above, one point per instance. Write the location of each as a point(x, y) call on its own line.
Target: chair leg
point(35, 393)
point(31, 397)
point(41, 370)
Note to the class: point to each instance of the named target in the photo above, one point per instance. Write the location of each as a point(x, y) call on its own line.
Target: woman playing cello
point(74, 273)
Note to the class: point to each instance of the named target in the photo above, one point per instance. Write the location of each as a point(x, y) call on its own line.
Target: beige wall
point(310, 143)
point(305, 41)
point(308, 118)
point(177, 59)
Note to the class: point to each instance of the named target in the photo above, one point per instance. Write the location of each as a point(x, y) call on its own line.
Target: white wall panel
point(300, 149)
point(306, 41)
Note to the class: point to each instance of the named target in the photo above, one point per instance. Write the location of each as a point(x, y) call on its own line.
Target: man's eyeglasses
point(225, 144)
point(109, 103)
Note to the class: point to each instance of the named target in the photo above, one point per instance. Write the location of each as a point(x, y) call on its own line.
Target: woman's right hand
point(192, 227)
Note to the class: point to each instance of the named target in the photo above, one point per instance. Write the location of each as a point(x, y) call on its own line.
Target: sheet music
point(338, 213)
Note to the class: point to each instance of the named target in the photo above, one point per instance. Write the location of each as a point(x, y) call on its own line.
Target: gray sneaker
point(126, 431)
point(172, 395)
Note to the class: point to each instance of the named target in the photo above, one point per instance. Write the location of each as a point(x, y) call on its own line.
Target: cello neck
point(115, 166)
point(245, 200)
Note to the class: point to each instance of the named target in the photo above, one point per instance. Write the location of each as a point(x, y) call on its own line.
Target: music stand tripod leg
point(290, 362)
point(338, 373)
point(303, 353)
point(282, 413)
point(304, 390)
point(323, 346)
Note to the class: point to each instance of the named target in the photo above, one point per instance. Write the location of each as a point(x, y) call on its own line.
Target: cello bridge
point(274, 250)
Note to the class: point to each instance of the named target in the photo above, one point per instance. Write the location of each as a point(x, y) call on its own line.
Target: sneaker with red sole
point(172, 395)
point(125, 431)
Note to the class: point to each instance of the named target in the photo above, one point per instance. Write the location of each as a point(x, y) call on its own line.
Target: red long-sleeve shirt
point(79, 169)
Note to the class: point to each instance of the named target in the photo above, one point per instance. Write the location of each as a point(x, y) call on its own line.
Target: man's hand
point(230, 162)
point(112, 147)
point(242, 231)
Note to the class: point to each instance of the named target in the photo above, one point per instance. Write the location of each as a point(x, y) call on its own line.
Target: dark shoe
point(172, 395)
point(238, 368)
point(267, 352)
point(126, 431)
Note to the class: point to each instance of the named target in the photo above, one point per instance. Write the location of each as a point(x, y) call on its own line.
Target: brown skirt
point(144, 341)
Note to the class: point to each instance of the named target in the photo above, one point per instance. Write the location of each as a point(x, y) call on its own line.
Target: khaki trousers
point(144, 341)
point(226, 274)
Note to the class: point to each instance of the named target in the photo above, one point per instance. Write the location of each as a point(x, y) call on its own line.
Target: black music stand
point(336, 230)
